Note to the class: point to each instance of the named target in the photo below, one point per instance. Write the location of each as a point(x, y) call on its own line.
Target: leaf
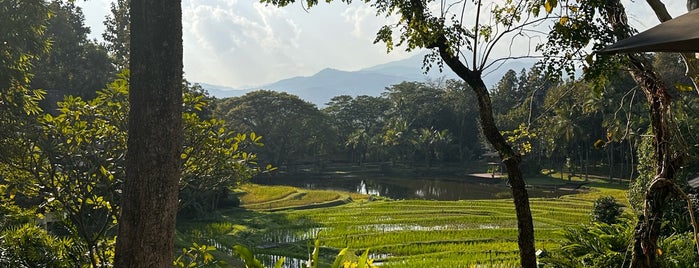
point(683, 87)
point(279, 263)
point(363, 259)
point(563, 20)
point(104, 171)
point(549, 5)
point(245, 254)
point(339, 258)
point(599, 143)
point(316, 252)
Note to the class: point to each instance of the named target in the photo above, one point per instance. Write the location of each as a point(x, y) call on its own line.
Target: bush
point(30, 246)
point(606, 209)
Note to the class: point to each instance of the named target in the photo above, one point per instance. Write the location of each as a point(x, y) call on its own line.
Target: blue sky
point(240, 43)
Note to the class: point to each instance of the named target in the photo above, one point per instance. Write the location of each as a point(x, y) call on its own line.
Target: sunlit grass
point(255, 193)
point(300, 198)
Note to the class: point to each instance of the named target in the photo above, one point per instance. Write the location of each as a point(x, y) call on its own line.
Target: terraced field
point(406, 233)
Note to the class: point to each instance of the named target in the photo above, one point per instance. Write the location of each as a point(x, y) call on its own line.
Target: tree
point(447, 34)
point(600, 23)
point(116, 35)
point(149, 201)
point(463, 126)
point(358, 122)
point(23, 43)
point(417, 118)
point(295, 130)
point(214, 159)
point(429, 141)
point(74, 65)
point(506, 93)
point(75, 167)
point(79, 168)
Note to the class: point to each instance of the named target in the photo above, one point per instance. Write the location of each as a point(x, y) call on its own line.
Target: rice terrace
point(277, 220)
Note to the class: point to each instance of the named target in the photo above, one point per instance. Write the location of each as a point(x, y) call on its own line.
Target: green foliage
point(358, 123)
point(295, 130)
point(646, 173)
point(214, 160)
point(72, 167)
point(581, 24)
point(22, 42)
point(595, 245)
point(117, 33)
point(74, 65)
point(28, 245)
point(79, 162)
point(520, 139)
point(431, 142)
point(246, 255)
point(606, 210)
point(341, 260)
point(677, 251)
point(198, 256)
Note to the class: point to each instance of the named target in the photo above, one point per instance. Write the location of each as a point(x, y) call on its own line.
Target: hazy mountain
point(328, 83)
point(322, 86)
point(222, 91)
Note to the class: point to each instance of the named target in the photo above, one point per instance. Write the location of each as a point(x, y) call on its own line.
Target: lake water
point(468, 187)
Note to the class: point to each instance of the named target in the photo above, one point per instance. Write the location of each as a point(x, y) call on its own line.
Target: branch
point(689, 59)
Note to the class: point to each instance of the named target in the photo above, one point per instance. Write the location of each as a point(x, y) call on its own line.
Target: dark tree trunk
point(149, 202)
point(666, 165)
point(662, 188)
point(510, 158)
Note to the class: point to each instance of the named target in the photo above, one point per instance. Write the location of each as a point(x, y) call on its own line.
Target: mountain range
point(322, 86)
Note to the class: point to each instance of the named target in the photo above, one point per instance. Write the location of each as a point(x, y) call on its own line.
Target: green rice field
point(405, 233)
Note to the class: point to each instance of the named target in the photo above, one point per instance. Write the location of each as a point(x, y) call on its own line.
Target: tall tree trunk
point(666, 162)
point(149, 201)
point(510, 158)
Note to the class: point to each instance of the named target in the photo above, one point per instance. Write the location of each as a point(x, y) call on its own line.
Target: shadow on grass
point(268, 235)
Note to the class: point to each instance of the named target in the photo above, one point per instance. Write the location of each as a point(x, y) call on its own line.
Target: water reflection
point(411, 188)
point(363, 189)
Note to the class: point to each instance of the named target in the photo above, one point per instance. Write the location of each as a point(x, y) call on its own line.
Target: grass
point(255, 194)
point(261, 197)
point(405, 233)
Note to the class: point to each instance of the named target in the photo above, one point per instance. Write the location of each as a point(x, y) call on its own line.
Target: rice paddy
point(404, 233)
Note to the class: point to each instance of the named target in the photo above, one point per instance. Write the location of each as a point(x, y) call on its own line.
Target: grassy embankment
point(407, 233)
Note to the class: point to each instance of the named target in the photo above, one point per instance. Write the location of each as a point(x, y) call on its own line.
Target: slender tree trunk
point(661, 189)
point(149, 201)
point(510, 158)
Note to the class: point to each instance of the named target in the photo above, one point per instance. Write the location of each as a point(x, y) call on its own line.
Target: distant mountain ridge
point(328, 83)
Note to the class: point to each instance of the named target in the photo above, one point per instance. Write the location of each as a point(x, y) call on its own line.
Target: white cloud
point(247, 43)
point(359, 16)
point(238, 43)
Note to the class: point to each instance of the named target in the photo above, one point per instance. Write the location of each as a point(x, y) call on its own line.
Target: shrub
point(606, 209)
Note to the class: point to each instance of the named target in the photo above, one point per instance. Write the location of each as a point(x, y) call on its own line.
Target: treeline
point(580, 127)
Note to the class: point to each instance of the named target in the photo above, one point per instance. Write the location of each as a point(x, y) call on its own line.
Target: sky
point(242, 43)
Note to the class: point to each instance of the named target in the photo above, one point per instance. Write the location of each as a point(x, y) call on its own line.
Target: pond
point(445, 189)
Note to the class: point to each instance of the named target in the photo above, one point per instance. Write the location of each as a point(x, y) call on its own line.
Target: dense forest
point(67, 113)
